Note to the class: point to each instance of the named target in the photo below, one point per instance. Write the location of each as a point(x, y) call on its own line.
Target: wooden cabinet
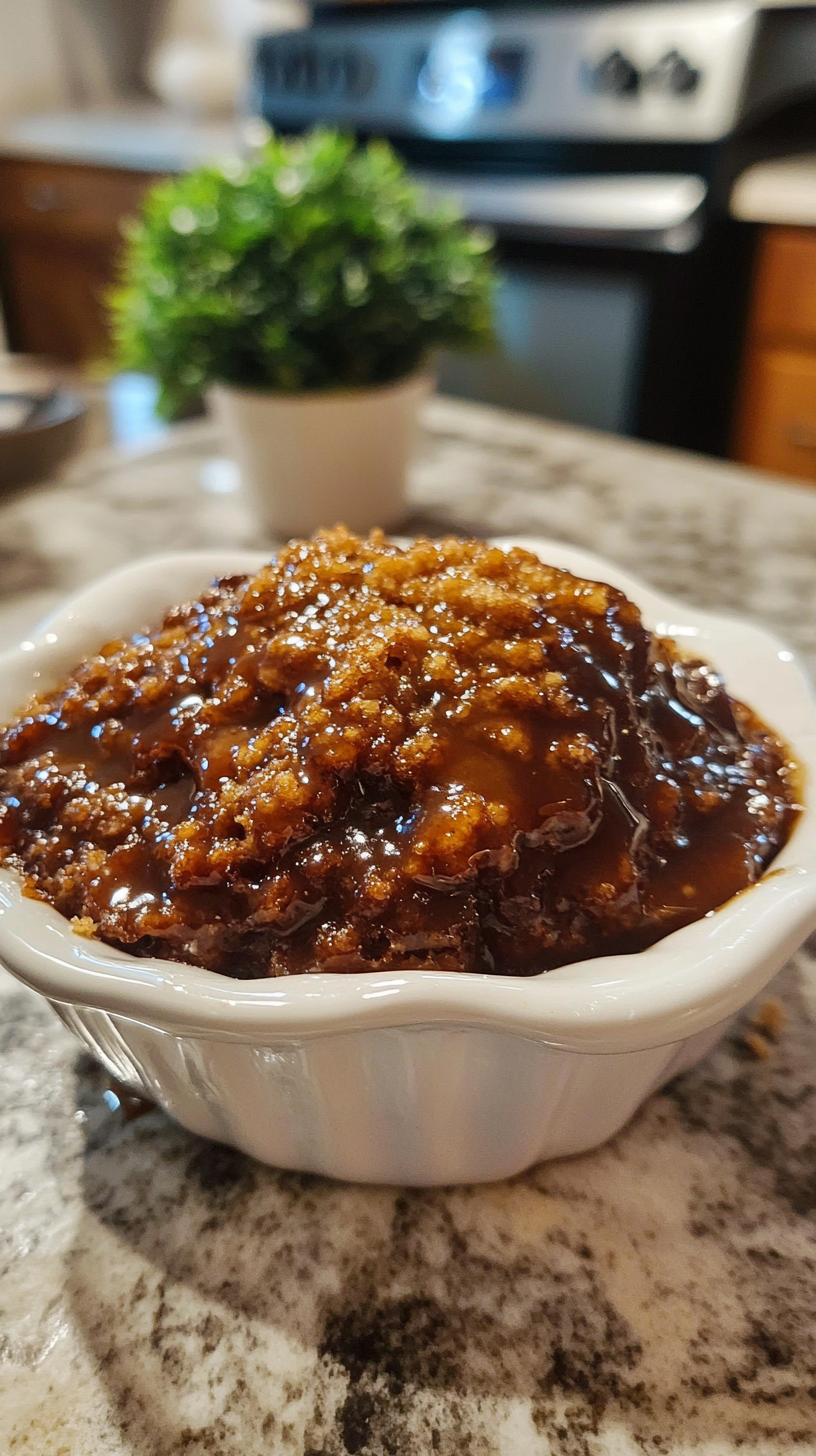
point(779, 411)
point(60, 232)
point(776, 423)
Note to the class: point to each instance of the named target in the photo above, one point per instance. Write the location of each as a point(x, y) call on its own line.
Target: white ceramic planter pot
point(315, 459)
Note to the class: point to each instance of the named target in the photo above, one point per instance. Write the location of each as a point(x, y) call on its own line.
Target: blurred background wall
point(32, 70)
point(70, 52)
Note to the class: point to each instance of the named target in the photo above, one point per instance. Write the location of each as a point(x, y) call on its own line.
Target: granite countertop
point(162, 1296)
point(779, 191)
point(148, 137)
point(138, 136)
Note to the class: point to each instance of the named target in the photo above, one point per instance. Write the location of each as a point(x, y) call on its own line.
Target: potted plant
point(306, 291)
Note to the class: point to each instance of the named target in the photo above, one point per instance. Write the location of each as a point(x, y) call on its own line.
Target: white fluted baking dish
point(416, 1077)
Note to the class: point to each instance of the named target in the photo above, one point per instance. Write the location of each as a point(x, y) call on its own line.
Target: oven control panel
point(671, 72)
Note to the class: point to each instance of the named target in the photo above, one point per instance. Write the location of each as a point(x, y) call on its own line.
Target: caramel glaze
point(448, 756)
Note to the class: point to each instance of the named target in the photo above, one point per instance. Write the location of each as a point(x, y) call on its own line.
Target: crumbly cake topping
point(447, 755)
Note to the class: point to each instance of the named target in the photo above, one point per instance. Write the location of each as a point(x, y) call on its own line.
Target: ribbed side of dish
point(407, 1105)
point(417, 1078)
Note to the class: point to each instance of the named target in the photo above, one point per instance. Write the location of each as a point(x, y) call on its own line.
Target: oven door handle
point(656, 212)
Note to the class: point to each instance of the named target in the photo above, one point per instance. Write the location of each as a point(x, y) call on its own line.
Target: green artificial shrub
point(316, 265)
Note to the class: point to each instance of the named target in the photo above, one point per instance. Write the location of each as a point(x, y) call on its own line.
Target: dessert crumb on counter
point(757, 1045)
point(766, 1027)
point(770, 1019)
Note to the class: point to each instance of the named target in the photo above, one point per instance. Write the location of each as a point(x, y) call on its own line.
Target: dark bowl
point(37, 448)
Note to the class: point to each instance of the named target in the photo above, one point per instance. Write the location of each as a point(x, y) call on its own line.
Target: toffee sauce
point(447, 756)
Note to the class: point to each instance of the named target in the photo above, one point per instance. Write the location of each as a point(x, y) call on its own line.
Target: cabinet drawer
point(84, 203)
point(778, 425)
point(786, 286)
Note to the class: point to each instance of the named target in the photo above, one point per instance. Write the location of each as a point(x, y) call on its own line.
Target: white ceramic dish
point(416, 1077)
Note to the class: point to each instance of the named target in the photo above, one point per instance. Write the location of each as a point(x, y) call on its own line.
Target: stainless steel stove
point(601, 142)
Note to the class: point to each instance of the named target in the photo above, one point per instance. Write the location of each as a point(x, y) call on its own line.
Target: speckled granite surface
point(160, 1296)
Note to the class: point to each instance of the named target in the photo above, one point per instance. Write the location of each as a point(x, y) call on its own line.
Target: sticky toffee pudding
point(447, 756)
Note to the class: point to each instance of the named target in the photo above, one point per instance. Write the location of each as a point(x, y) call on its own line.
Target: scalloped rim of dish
point(690, 980)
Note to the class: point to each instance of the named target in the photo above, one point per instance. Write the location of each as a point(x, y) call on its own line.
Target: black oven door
point(620, 305)
point(571, 341)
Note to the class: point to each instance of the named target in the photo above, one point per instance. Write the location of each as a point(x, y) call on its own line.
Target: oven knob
point(293, 71)
point(615, 75)
point(319, 72)
point(359, 73)
point(673, 73)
